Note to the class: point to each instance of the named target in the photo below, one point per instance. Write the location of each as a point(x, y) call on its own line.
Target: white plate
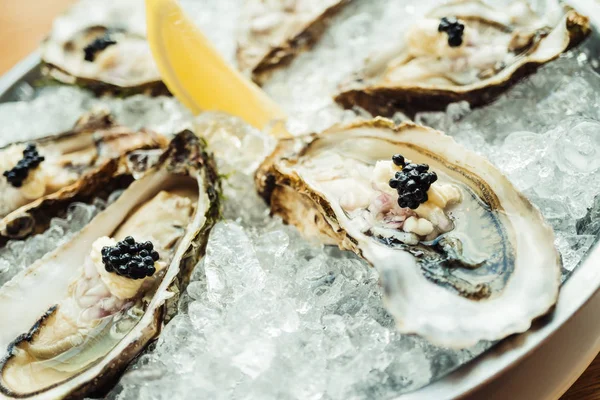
point(551, 369)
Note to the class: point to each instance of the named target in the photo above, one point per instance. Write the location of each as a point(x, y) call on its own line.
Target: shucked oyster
point(462, 255)
point(73, 320)
point(103, 60)
point(42, 177)
point(462, 50)
point(274, 31)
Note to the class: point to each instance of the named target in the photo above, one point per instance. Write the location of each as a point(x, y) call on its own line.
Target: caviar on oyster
point(454, 29)
point(273, 32)
point(30, 161)
point(113, 60)
point(134, 260)
point(86, 315)
point(454, 250)
point(412, 182)
point(76, 166)
point(462, 50)
point(97, 45)
point(23, 183)
point(412, 202)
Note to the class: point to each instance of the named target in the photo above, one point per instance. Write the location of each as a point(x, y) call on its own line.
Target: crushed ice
point(57, 108)
point(271, 315)
point(18, 254)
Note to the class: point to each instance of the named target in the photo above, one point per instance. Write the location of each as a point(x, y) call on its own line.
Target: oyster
point(274, 31)
point(75, 318)
point(77, 166)
point(105, 60)
point(462, 50)
point(462, 255)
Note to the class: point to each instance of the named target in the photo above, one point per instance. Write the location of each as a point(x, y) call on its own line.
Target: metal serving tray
point(579, 289)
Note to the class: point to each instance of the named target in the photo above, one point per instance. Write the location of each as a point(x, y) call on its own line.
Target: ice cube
point(255, 358)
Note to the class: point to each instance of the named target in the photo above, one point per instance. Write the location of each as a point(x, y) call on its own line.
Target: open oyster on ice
point(462, 50)
point(73, 320)
point(41, 177)
point(275, 31)
point(105, 60)
point(462, 255)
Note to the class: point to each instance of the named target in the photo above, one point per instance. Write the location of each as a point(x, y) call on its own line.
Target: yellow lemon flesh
point(196, 73)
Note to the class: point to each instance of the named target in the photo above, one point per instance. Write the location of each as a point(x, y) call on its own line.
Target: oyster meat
point(74, 166)
point(462, 255)
point(105, 60)
point(275, 31)
point(462, 50)
point(74, 319)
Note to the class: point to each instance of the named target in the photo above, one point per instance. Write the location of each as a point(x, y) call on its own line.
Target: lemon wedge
point(197, 75)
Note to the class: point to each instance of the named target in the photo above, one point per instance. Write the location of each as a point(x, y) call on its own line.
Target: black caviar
point(412, 183)
point(130, 259)
point(31, 160)
point(454, 29)
point(97, 45)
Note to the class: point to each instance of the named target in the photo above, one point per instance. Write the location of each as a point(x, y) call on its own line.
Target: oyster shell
point(78, 166)
point(474, 262)
point(275, 31)
point(70, 325)
point(497, 47)
point(105, 60)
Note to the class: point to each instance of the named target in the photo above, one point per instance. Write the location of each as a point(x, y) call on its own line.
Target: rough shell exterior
point(99, 182)
point(473, 318)
point(281, 55)
point(60, 68)
point(186, 156)
point(385, 101)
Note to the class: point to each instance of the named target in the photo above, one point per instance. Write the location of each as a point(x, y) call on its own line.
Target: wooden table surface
point(23, 23)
